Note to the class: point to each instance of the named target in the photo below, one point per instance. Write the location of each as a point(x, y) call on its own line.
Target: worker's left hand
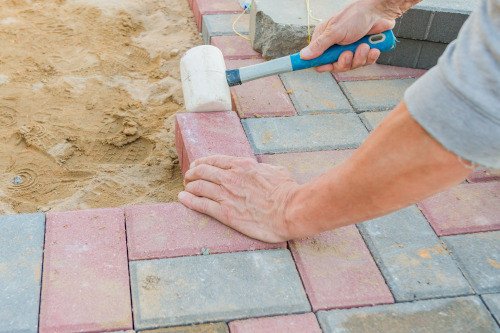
point(243, 194)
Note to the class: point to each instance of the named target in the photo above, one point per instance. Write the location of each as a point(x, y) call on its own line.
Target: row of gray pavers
point(279, 27)
point(224, 287)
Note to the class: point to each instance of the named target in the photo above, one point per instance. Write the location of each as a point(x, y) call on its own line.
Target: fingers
point(344, 63)
point(381, 26)
point(202, 205)
point(219, 161)
point(202, 188)
point(323, 41)
point(205, 172)
point(372, 56)
point(360, 56)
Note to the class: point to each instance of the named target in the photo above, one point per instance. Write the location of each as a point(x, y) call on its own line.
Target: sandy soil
point(87, 93)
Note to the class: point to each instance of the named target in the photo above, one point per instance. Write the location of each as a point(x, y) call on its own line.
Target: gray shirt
point(458, 101)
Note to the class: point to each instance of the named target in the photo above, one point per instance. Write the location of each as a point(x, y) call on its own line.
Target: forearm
point(399, 164)
point(392, 9)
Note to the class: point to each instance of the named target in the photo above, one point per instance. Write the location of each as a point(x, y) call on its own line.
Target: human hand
point(348, 26)
point(243, 194)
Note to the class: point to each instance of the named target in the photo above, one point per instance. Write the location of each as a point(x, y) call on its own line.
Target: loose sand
point(87, 94)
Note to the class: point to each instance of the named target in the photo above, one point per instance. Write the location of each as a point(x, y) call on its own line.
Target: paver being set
point(432, 267)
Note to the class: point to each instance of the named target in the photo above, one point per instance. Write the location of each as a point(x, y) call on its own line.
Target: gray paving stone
point(222, 25)
point(411, 257)
point(21, 251)
point(375, 95)
point(478, 255)
point(221, 287)
point(430, 54)
point(413, 53)
point(373, 119)
point(492, 301)
point(304, 133)
point(203, 328)
point(461, 314)
point(313, 92)
point(413, 24)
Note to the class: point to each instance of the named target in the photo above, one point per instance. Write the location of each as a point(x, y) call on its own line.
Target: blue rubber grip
point(384, 41)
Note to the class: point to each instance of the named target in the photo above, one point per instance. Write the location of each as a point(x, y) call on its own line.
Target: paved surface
point(161, 268)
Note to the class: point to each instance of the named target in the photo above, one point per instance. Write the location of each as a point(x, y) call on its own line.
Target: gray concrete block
point(375, 95)
point(373, 119)
point(405, 54)
point(444, 26)
point(429, 54)
point(304, 133)
point(478, 255)
point(21, 239)
point(411, 257)
point(413, 24)
point(221, 287)
point(313, 92)
point(462, 314)
point(492, 301)
point(222, 25)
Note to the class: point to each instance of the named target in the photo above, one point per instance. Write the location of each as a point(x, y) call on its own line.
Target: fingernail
point(306, 53)
point(181, 195)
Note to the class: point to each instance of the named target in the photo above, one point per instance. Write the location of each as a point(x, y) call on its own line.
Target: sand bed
point(87, 94)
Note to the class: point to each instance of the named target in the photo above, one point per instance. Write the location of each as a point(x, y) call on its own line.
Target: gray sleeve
point(458, 101)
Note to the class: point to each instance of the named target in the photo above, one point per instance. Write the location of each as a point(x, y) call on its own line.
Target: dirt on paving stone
point(88, 90)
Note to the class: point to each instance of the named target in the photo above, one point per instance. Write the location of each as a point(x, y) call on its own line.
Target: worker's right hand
point(356, 20)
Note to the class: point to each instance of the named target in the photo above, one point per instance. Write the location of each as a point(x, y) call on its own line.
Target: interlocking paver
point(210, 7)
point(492, 301)
point(203, 328)
point(178, 291)
point(172, 230)
point(235, 47)
point(461, 314)
point(375, 95)
point(306, 322)
point(379, 72)
point(249, 99)
point(222, 25)
point(464, 208)
point(478, 255)
point(338, 271)
point(483, 175)
point(85, 285)
point(21, 239)
point(305, 133)
point(411, 257)
point(306, 166)
point(313, 92)
point(200, 134)
point(373, 119)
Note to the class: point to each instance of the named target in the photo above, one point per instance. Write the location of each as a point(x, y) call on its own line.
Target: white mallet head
point(204, 83)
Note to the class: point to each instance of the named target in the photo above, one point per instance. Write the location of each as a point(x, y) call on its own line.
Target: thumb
point(319, 45)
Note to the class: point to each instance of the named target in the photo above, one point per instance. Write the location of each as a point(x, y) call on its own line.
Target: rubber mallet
point(206, 82)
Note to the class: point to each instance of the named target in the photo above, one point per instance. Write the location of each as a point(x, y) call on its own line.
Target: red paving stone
point(200, 134)
point(208, 7)
point(172, 230)
point(464, 208)
point(306, 322)
point(338, 270)
point(85, 273)
point(483, 175)
point(379, 72)
point(235, 47)
point(306, 166)
point(264, 97)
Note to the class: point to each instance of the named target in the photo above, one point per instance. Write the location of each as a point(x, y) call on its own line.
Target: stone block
point(373, 119)
point(309, 165)
point(338, 271)
point(413, 24)
point(478, 256)
point(222, 25)
point(430, 53)
point(379, 72)
point(492, 301)
point(313, 92)
point(235, 47)
point(306, 322)
point(200, 134)
point(211, 7)
point(21, 239)
point(411, 257)
point(203, 328)
point(375, 95)
point(211, 288)
point(265, 97)
point(413, 53)
point(304, 133)
point(464, 208)
point(171, 230)
point(461, 314)
point(85, 284)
